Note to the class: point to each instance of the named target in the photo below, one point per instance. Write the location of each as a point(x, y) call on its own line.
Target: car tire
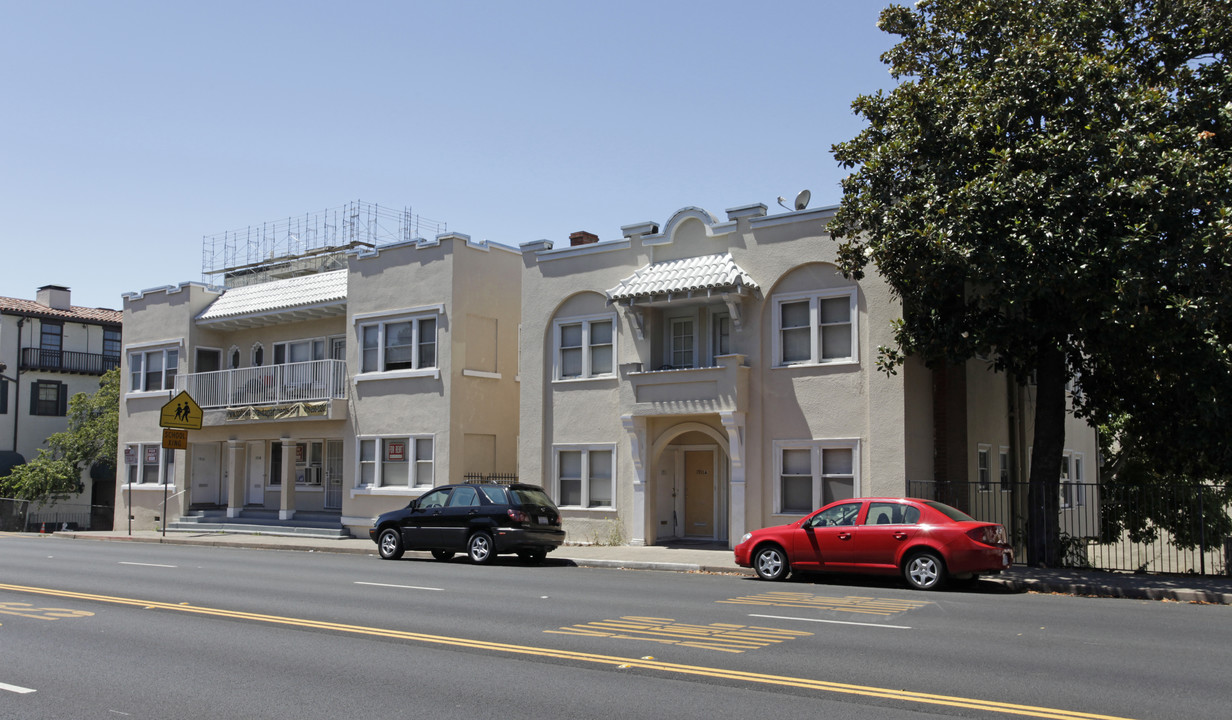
point(479, 548)
point(442, 555)
point(389, 544)
point(924, 570)
point(535, 556)
point(770, 563)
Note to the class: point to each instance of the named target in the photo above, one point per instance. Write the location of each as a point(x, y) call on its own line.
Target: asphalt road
point(114, 630)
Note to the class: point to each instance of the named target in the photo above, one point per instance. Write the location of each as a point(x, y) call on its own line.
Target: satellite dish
point(802, 200)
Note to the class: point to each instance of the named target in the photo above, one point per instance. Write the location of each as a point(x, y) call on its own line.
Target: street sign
point(182, 412)
point(175, 439)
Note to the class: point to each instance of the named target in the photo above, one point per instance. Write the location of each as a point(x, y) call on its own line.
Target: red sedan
point(926, 541)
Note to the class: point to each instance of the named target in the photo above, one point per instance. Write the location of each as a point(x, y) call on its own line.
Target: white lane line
point(832, 622)
point(15, 688)
point(148, 564)
point(403, 587)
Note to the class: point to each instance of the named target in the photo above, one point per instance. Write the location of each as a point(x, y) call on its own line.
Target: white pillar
point(286, 504)
point(733, 423)
point(235, 483)
point(636, 428)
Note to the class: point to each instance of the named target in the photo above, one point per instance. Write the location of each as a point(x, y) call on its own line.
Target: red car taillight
point(516, 515)
point(989, 535)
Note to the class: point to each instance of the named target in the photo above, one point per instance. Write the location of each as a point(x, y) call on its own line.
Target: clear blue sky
point(131, 129)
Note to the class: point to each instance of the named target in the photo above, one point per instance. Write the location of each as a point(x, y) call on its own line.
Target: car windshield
point(952, 513)
point(530, 496)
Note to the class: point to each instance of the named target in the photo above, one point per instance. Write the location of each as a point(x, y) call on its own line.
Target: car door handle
point(844, 536)
point(900, 535)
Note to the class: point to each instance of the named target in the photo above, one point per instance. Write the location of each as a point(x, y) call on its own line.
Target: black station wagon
point(481, 520)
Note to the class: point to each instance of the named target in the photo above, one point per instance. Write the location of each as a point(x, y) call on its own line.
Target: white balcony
point(288, 384)
point(723, 388)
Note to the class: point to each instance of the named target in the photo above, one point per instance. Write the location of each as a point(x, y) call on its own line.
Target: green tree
point(90, 441)
point(1048, 183)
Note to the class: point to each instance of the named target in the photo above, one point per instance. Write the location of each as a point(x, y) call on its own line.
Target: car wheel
point(442, 554)
point(533, 556)
point(390, 544)
point(479, 548)
point(924, 571)
point(770, 562)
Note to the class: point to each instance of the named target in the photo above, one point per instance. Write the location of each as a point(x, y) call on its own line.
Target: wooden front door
point(699, 493)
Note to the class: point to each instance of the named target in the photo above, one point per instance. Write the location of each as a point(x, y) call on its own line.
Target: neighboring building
point(52, 350)
point(335, 387)
point(705, 378)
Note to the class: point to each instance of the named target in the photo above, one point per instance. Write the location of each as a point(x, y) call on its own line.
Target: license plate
point(543, 520)
point(1005, 559)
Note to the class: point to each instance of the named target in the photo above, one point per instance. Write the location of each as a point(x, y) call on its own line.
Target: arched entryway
point(689, 488)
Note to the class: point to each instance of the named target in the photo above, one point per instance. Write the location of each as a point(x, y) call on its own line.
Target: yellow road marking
point(581, 657)
point(27, 610)
point(851, 603)
point(716, 636)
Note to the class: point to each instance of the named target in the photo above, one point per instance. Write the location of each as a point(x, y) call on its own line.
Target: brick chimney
point(55, 297)
point(581, 237)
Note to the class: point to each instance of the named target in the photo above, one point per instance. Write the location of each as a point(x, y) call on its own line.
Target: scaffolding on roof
point(316, 242)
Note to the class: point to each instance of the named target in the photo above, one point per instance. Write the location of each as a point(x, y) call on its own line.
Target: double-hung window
point(584, 476)
point(812, 473)
point(149, 464)
point(398, 344)
point(51, 344)
point(585, 348)
point(48, 397)
point(153, 370)
point(815, 328)
point(983, 469)
point(682, 343)
point(398, 462)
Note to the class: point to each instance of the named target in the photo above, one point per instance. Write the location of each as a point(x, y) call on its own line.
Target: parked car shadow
point(978, 587)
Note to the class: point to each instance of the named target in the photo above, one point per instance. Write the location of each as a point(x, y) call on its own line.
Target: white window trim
point(585, 449)
point(376, 488)
point(815, 447)
point(163, 481)
point(1078, 491)
point(985, 450)
point(585, 321)
point(144, 349)
point(669, 344)
point(383, 319)
point(814, 296)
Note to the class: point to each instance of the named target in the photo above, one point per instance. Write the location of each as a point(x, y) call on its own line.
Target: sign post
point(176, 418)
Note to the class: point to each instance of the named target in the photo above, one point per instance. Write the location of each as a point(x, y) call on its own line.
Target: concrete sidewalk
point(712, 559)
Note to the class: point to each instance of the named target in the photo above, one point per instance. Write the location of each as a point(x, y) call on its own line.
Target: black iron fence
point(24, 516)
point(499, 478)
point(1171, 529)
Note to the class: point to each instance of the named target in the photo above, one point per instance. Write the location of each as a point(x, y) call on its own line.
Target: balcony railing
point(68, 361)
point(690, 390)
point(268, 385)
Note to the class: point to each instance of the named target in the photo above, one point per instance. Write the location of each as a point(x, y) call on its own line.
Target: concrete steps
point(262, 522)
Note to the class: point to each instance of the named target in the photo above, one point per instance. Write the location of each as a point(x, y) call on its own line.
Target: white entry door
point(254, 480)
point(206, 483)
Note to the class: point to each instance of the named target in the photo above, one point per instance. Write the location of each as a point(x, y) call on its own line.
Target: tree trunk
point(1044, 490)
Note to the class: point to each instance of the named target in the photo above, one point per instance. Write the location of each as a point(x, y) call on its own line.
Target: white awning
point(306, 297)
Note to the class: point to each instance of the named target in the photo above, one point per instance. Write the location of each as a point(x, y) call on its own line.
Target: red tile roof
point(30, 308)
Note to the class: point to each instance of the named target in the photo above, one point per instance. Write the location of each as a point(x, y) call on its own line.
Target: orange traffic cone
point(43, 529)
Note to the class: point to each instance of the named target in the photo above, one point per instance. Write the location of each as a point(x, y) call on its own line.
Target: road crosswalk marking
point(852, 603)
point(725, 637)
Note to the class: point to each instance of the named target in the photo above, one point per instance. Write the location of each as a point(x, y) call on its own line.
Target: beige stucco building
point(704, 377)
point(335, 388)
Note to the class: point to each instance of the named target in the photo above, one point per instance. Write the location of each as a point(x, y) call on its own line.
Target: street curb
point(1013, 583)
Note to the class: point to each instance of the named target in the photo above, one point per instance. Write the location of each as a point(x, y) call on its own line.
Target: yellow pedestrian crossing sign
point(182, 412)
